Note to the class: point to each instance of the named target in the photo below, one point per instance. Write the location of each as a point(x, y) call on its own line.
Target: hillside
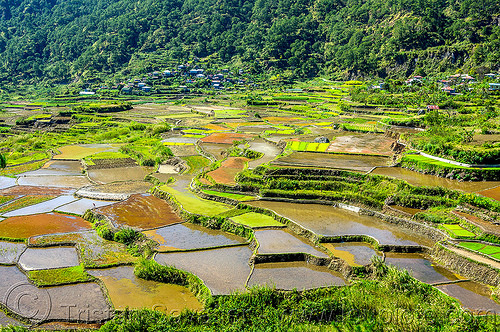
point(60, 41)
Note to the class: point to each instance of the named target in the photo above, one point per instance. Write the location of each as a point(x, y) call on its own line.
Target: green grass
point(59, 276)
point(196, 205)
point(458, 230)
point(496, 256)
point(427, 160)
point(238, 197)
point(16, 159)
point(488, 250)
point(311, 147)
point(253, 219)
point(196, 163)
point(472, 245)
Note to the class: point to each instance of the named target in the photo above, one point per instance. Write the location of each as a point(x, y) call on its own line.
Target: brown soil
point(227, 171)
point(22, 227)
point(31, 190)
point(143, 211)
point(487, 226)
point(225, 138)
point(364, 144)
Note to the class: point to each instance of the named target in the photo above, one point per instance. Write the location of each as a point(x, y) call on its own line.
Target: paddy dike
point(141, 211)
point(114, 191)
point(337, 161)
point(328, 220)
point(128, 291)
point(188, 236)
point(294, 275)
point(223, 270)
point(22, 227)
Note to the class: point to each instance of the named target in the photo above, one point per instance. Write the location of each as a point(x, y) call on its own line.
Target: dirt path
point(476, 257)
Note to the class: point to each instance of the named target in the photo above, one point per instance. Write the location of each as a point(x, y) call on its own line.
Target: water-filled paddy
point(354, 253)
point(420, 179)
point(109, 175)
point(6, 320)
point(142, 211)
point(189, 236)
point(290, 275)
point(409, 210)
point(126, 290)
point(275, 241)
point(492, 193)
point(66, 181)
point(472, 296)
point(222, 270)
point(114, 191)
point(22, 227)
point(421, 268)
point(216, 150)
point(6, 182)
point(43, 207)
point(48, 258)
point(10, 252)
point(332, 221)
point(269, 150)
point(30, 190)
point(350, 162)
point(82, 205)
point(57, 167)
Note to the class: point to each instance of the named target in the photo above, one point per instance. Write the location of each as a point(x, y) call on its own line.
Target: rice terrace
point(307, 207)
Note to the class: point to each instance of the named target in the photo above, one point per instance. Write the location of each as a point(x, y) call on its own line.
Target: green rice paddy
point(253, 219)
point(458, 230)
point(238, 197)
point(309, 147)
point(196, 205)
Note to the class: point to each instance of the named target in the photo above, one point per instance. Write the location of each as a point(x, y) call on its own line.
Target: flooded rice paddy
point(326, 160)
point(216, 150)
point(269, 151)
point(22, 227)
point(48, 258)
point(188, 236)
point(43, 207)
point(143, 211)
point(332, 221)
point(472, 296)
point(276, 241)
point(294, 275)
point(354, 253)
point(10, 252)
point(222, 270)
point(66, 181)
point(420, 179)
point(82, 205)
point(118, 174)
point(128, 291)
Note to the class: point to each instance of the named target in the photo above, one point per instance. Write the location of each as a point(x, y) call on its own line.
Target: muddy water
point(22, 227)
point(269, 150)
point(290, 275)
point(30, 190)
point(48, 258)
point(137, 173)
point(222, 270)
point(215, 149)
point(57, 167)
point(10, 252)
point(67, 181)
point(491, 193)
point(354, 253)
point(349, 162)
point(275, 241)
point(472, 296)
point(6, 182)
point(188, 236)
point(419, 179)
point(46, 206)
point(82, 205)
point(76, 152)
point(142, 211)
point(126, 290)
point(421, 268)
point(329, 220)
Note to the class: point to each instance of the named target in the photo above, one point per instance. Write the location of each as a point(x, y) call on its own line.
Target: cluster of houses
point(185, 74)
point(450, 84)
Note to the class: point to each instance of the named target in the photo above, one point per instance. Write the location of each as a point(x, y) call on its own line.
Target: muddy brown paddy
point(142, 211)
point(22, 227)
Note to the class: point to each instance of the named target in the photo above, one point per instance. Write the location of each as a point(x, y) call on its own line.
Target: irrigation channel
point(52, 218)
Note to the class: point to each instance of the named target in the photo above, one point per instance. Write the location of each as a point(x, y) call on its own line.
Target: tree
point(3, 161)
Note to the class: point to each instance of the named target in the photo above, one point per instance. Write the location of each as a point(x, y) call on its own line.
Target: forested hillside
point(65, 40)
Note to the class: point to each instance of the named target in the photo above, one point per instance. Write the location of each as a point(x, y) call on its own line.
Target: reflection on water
point(420, 179)
point(354, 253)
point(126, 290)
point(274, 241)
point(290, 275)
point(329, 220)
point(473, 296)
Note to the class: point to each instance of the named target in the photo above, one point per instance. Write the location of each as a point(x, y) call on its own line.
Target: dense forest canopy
point(60, 41)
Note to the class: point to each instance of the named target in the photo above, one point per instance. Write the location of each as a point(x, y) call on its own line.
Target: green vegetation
point(196, 163)
point(311, 147)
point(194, 204)
point(252, 219)
point(364, 305)
point(53, 277)
point(458, 231)
point(237, 197)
